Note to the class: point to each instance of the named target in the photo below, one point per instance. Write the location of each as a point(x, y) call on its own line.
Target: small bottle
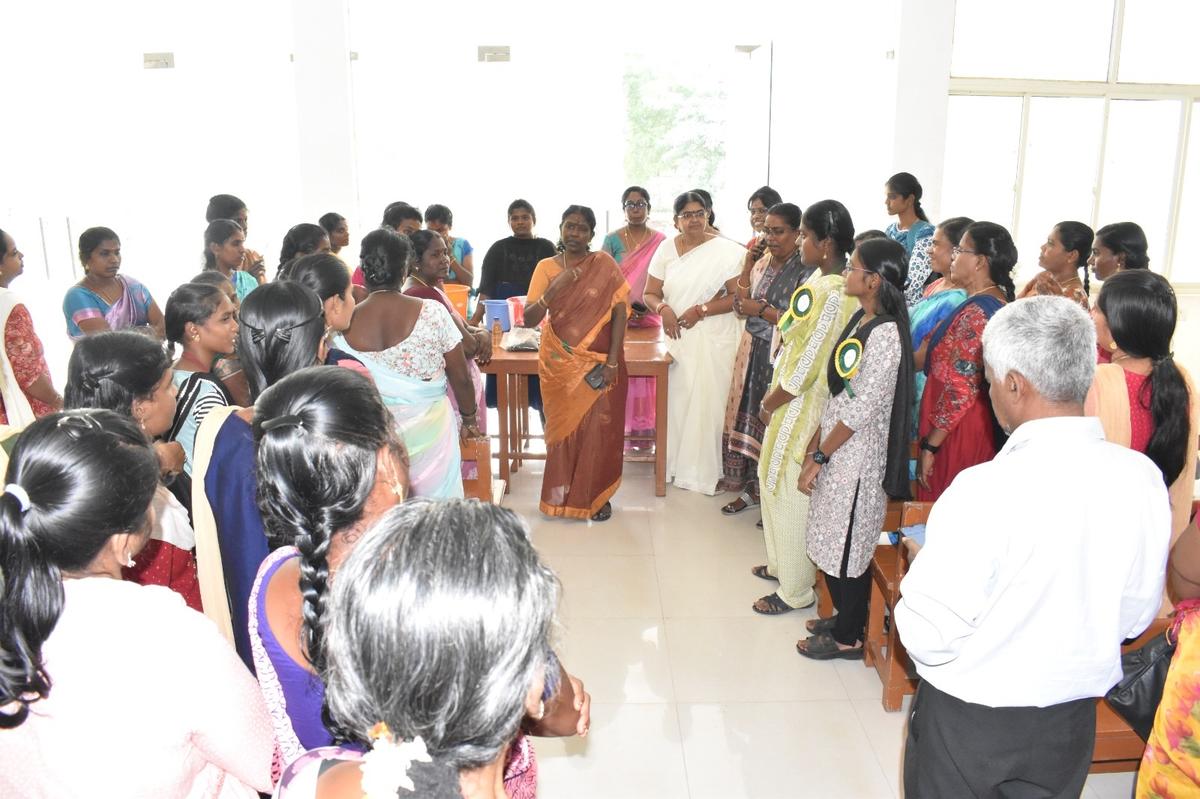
point(497, 333)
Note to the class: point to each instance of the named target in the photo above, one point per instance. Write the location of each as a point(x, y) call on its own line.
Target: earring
point(129, 564)
point(541, 710)
point(1112, 345)
point(195, 337)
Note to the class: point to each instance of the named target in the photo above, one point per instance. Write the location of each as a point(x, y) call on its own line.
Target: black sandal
point(823, 646)
point(745, 500)
point(815, 626)
point(775, 606)
point(604, 514)
point(761, 573)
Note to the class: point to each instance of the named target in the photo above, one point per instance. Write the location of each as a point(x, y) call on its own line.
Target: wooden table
point(645, 356)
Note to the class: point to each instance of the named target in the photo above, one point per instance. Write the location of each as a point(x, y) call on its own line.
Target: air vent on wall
point(158, 60)
point(494, 52)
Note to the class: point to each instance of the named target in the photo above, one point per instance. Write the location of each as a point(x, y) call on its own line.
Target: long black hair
point(302, 239)
point(218, 231)
point(993, 242)
point(318, 433)
point(280, 332)
point(191, 302)
point(1077, 237)
point(87, 476)
point(906, 185)
point(829, 219)
point(324, 273)
point(112, 369)
point(1128, 239)
point(1141, 310)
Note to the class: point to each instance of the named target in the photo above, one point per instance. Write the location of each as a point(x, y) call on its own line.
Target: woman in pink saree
point(632, 247)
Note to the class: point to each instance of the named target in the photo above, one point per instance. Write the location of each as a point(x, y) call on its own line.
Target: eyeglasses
point(847, 269)
point(959, 250)
point(639, 204)
point(694, 215)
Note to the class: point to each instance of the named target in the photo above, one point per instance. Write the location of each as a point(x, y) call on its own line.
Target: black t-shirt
point(512, 261)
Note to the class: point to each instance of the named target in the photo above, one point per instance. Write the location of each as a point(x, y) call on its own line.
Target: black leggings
point(850, 594)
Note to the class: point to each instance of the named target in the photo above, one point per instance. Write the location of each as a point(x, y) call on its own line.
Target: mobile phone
point(595, 377)
point(639, 308)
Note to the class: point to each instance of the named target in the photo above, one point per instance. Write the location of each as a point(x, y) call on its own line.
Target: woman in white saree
point(691, 284)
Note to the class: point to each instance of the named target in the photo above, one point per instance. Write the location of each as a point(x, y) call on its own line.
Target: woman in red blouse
point(957, 427)
point(25, 389)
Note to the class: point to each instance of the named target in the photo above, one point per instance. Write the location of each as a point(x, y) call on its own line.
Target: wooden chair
point(1118, 747)
point(482, 487)
point(881, 647)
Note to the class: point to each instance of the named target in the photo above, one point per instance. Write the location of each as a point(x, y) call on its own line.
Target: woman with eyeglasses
point(632, 247)
point(957, 427)
point(911, 228)
point(581, 365)
point(859, 457)
point(941, 298)
point(763, 293)
point(691, 285)
point(413, 349)
point(109, 688)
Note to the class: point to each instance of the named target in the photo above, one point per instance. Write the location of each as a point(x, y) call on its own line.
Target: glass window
point(1062, 154)
point(1063, 40)
point(982, 135)
point(1185, 264)
point(1158, 42)
point(1139, 168)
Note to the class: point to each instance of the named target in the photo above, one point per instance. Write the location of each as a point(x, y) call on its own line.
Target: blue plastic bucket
point(496, 309)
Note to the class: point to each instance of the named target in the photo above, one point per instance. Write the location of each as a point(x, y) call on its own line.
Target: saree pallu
point(429, 428)
point(924, 317)
point(635, 265)
point(741, 441)
point(585, 428)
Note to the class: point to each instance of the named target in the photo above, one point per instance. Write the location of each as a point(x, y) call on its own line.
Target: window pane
point(1185, 265)
point(1139, 167)
point(1061, 156)
point(982, 134)
point(1157, 41)
point(1063, 40)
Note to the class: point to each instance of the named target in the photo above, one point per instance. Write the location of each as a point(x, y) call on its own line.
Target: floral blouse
point(423, 354)
point(958, 363)
point(1044, 285)
point(24, 351)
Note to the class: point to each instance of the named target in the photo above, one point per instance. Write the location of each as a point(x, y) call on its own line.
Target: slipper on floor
point(815, 626)
point(745, 500)
point(775, 606)
point(822, 646)
point(604, 514)
point(759, 525)
point(761, 573)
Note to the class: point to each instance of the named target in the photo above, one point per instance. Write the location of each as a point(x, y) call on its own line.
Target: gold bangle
point(745, 287)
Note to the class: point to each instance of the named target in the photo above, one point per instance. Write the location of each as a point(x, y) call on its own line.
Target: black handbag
point(1136, 697)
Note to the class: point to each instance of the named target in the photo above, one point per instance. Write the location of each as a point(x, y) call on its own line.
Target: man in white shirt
point(1036, 566)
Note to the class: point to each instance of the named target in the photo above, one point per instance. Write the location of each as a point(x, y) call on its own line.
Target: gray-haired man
point(1036, 566)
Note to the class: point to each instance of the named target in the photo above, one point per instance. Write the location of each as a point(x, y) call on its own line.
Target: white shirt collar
point(1077, 428)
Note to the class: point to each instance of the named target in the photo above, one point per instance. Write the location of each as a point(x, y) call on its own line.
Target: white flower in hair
point(385, 767)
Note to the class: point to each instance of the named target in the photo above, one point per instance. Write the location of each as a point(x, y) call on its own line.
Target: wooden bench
point(483, 486)
point(881, 644)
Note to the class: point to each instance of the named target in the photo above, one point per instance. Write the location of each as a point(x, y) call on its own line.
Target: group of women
point(156, 490)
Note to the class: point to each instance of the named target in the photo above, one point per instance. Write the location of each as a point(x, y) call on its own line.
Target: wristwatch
point(930, 448)
point(704, 311)
point(820, 457)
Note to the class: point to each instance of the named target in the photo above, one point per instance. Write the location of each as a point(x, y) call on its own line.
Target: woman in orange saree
point(582, 370)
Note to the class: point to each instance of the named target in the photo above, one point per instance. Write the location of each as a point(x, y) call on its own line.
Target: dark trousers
point(958, 749)
point(849, 594)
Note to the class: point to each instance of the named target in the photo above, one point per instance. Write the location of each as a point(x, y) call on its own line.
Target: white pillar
point(923, 94)
point(324, 107)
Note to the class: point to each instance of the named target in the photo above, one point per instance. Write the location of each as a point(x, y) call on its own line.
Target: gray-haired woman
point(437, 647)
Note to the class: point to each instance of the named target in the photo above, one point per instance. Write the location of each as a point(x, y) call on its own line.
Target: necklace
point(988, 287)
point(629, 240)
point(97, 290)
point(422, 282)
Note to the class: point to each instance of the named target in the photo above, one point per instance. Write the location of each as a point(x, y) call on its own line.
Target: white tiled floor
point(694, 694)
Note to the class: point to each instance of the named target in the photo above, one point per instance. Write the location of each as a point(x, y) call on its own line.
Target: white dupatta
point(16, 404)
